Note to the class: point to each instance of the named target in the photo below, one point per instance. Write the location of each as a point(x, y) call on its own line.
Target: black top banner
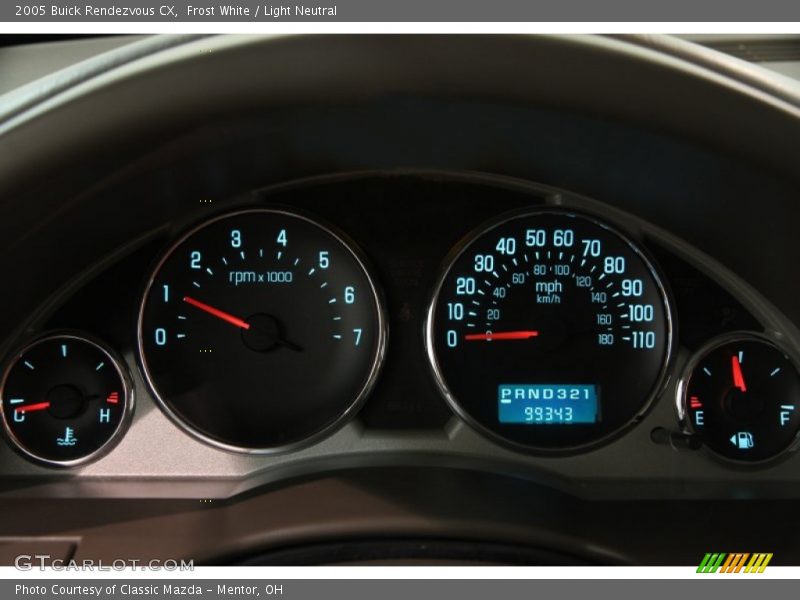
point(402, 11)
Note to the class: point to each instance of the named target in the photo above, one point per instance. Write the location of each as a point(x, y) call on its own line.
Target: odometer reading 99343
point(261, 330)
point(549, 330)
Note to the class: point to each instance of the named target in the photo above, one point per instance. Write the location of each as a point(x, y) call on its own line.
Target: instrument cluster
point(548, 323)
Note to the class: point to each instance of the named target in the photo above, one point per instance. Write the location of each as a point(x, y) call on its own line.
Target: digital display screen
point(547, 404)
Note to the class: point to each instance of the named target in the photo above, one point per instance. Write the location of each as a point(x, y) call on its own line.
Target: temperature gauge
point(65, 399)
point(741, 396)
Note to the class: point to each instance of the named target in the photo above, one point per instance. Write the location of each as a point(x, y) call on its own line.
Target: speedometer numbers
point(261, 331)
point(549, 331)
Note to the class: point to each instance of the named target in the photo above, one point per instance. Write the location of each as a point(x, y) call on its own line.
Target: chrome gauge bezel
point(127, 384)
point(353, 406)
point(686, 374)
point(660, 385)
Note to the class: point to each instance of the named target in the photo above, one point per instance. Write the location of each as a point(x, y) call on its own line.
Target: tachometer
point(549, 330)
point(261, 331)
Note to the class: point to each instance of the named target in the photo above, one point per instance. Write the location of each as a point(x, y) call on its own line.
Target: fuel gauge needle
point(502, 335)
point(738, 378)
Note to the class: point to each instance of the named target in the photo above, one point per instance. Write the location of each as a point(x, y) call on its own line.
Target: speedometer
point(549, 331)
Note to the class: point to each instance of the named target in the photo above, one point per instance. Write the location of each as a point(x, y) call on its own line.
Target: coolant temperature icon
point(68, 439)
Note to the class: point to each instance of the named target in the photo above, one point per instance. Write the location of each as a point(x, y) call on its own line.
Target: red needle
point(217, 313)
point(502, 335)
point(738, 378)
point(33, 407)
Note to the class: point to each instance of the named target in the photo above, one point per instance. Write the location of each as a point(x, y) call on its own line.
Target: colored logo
point(736, 562)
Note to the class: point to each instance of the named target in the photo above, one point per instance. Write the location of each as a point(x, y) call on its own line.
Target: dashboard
point(334, 299)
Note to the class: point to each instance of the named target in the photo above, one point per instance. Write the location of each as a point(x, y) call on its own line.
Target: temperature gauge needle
point(738, 378)
point(34, 407)
point(502, 335)
point(220, 314)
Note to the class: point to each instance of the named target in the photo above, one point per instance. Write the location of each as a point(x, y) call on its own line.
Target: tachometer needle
point(220, 314)
point(738, 378)
point(502, 335)
point(33, 407)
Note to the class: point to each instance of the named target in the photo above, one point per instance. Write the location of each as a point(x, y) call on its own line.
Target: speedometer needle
point(220, 314)
point(738, 378)
point(502, 335)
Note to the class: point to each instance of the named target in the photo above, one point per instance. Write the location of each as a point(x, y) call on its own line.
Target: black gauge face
point(549, 331)
point(260, 330)
point(742, 397)
point(64, 399)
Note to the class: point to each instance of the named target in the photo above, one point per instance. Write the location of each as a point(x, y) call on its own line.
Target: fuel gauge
point(741, 397)
point(65, 399)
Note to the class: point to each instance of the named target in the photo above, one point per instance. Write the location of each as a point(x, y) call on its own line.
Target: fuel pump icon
point(742, 440)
